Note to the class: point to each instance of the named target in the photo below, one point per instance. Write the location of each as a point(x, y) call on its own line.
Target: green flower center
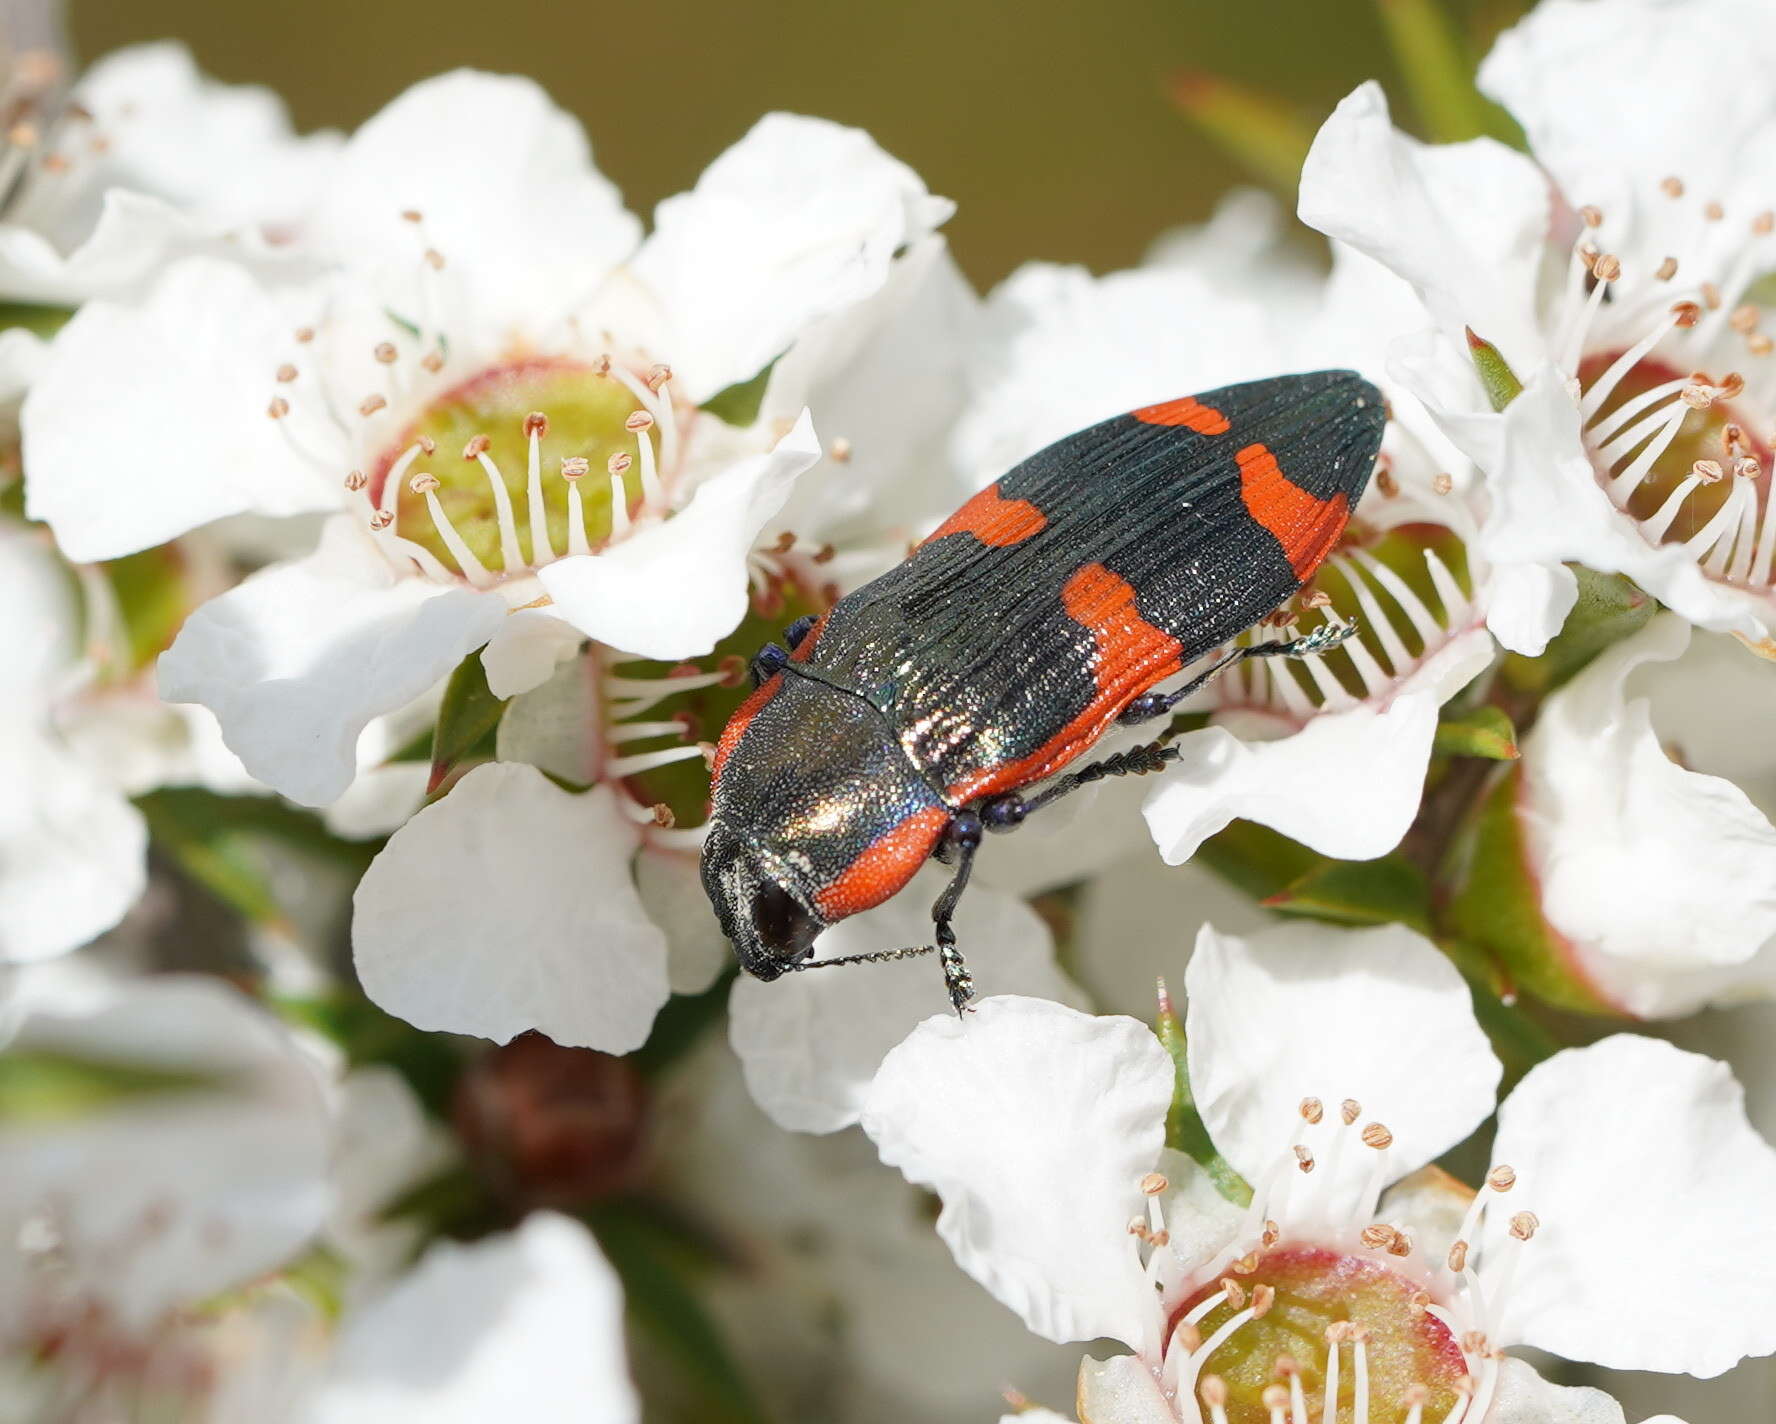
point(522, 464)
point(1328, 1305)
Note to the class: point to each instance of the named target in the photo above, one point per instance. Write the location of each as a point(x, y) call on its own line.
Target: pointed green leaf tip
point(466, 719)
point(1496, 376)
point(1484, 732)
point(1255, 128)
point(1185, 1131)
point(1439, 73)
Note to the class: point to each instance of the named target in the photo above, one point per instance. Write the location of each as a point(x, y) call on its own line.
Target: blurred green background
point(1049, 121)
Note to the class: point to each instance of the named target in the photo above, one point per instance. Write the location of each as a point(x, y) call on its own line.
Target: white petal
point(1121, 1390)
point(72, 848)
point(1662, 879)
point(1305, 1010)
point(547, 726)
point(1567, 62)
point(525, 650)
point(297, 660)
point(379, 800)
point(1063, 349)
point(675, 589)
point(223, 153)
point(1463, 223)
point(1527, 604)
point(1035, 1124)
point(73, 851)
point(1524, 1397)
point(888, 377)
point(180, 436)
point(1650, 1186)
point(810, 1042)
point(165, 1197)
point(798, 220)
point(528, 1326)
point(671, 888)
point(1347, 784)
point(504, 184)
point(509, 906)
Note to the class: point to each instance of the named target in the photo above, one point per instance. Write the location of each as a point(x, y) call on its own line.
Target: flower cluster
point(389, 524)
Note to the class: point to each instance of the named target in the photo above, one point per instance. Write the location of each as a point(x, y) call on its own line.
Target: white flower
point(1333, 751)
point(1655, 875)
point(1623, 1221)
point(196, 1160)
point(71, 846)
point(144, 158)
point(479, 385)
point(1643, 442)
point(527, 1325)
point(80, 734)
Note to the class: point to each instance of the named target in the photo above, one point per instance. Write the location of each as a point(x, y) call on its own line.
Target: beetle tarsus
point(1323, 639)
point(964, 835)
point(1136, 761)
point(793, 635)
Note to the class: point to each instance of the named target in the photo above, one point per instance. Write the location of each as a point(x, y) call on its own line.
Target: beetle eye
point(781, 922)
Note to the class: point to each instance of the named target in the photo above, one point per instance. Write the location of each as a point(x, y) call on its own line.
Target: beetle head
point(768, 920)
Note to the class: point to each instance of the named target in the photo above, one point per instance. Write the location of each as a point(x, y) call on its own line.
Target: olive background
point(1048, 121)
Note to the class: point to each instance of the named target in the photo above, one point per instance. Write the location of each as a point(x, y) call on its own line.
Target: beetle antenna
point(881, 956)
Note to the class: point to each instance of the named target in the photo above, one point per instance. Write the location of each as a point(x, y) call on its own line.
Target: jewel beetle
point(922, 709)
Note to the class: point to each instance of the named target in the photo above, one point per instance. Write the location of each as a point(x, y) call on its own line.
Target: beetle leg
point(1156, 704)
point(964, 834)
point(766, 662)
point(1136, 761)
point(793, 635)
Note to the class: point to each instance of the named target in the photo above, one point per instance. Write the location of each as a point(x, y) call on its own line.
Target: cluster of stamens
point(1310, 1231)
point(410, 361)
point(1642, 402)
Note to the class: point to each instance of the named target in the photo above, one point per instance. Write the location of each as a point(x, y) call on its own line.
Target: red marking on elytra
point(747, 710)
point(1186, 411)
point(994, 520)
point(1131, 655)
point(737, 724)
point(1306, 526)
point(884, 866)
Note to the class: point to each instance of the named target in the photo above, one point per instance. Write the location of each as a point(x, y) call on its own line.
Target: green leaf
point(1185, 1131)
point(213, 850)
point(467, 720)
point(1257, 129)
point(1256, 859)
point(1390, 890)
point(1609, 608)
point(739, 403)
point(54, 1087)
point(1484, 732)
point(1497, 378)
point(655, 1268)
point(1439, 73)
point(152, 600)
